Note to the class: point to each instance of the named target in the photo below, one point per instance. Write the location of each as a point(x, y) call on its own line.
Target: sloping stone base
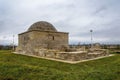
point(69, 56)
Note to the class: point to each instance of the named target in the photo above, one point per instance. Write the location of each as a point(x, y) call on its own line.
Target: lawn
point(20, 67)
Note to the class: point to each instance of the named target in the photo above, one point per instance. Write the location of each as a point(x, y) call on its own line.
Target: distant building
point(42, 35)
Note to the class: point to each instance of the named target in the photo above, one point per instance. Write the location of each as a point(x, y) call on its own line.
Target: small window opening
point(53, 38)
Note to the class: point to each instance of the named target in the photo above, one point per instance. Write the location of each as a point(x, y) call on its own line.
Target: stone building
point(41, 35)
point(43, 40)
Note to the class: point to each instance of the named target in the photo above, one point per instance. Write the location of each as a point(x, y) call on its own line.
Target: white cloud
point(74, 16)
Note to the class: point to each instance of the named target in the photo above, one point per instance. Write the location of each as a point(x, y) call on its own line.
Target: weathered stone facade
point(42, 35)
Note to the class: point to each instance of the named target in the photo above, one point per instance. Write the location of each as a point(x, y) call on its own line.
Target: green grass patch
point(20, 67)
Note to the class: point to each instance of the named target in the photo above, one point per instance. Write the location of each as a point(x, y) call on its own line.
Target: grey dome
point(42, 26)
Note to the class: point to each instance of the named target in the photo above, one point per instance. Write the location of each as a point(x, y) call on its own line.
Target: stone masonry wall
point(30, 41)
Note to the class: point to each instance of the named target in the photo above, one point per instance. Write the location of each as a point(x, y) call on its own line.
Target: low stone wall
point(97, 53)
point(69, 56)
point(72, 56)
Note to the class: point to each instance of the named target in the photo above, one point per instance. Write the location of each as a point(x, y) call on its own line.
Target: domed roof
point(42, 26)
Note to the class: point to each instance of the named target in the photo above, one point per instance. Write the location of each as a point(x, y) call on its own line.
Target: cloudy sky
point(77, 17)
